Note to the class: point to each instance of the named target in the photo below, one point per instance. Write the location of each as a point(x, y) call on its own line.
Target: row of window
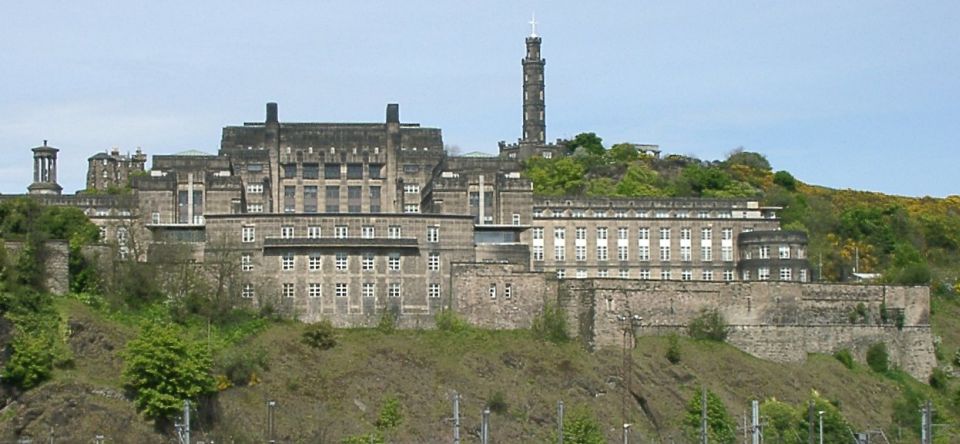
point(786, 274)
point(643, 233)
point(341, 290)
point(623, 213)
point(341, 261)
point(763, 274)
point(643, 253)
point(353, 171)
point(249, 234)
point(763, 252)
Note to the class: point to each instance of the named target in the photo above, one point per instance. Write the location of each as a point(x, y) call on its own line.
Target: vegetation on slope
point(906, 239)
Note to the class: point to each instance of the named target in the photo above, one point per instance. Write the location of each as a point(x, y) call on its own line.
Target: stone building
point(112, 170)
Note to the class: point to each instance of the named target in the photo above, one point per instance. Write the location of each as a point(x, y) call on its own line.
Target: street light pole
point(820, 414)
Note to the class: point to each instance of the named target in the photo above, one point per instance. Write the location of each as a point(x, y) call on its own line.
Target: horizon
point(837, 95)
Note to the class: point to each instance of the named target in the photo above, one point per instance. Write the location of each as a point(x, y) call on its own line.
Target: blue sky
point(862, 95)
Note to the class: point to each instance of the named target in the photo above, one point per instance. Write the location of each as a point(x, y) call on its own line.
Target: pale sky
point(862, 95)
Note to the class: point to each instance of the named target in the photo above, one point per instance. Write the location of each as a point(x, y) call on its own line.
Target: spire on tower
point(533, 25)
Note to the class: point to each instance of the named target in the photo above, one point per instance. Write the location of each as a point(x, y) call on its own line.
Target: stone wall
point(57, 259)
point(472, 298)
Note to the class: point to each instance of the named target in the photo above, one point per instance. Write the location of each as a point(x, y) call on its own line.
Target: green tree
point(31, 360)
point(163, 369)
point(749, 159)
point(590, 142)
point(720, 428)
point(551, 324)
point(878, 357)
point(623, 153)
point(710, 325)
point(555, 177)
point(639, 180)
point(580, 427)
point(784, 423)
point(785, 180)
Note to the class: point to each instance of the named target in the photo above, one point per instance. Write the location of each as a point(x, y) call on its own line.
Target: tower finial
point(533, 25)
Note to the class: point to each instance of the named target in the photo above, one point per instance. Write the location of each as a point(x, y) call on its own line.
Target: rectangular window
point(411, 168)
point(746, 275)
point(537, 233)
point(580, 233)
point(727, 234)
point(314, 290)
point(645, 273)
point(433, 291)
point(802, 275)
point(287, 262)
point(664, 234)
point(643, 233)
point(538, 252)
point(255, 188)
point(374, 171)
point(601, 252)
point(155, 218)
point(411, 188)
point(707, 275)
point(393, 262)
point(341, 261)
point(685, 254)
point(685, 233)
point(601, 233)
point(369, 290)
point(786, 274)
point(289, 199)
point(622, 253)
point(764, 252)
point(602, 273)
point(686, 275)
point(784, 252)
point(664, 252)
point(255, 208)
point(507, 290)
point(341, 231)
point(341, 290)
point(289, 170)
point(728, 275)
point(726, 253)
point(393, 290)
point(623, 233)
point(286, 232)
point(561, 273)
point(560, 252)
point(492, 291)
point(581, 273)
point(580, 252)
point(248, 234)
point(246, 262)
point(643, 253)
point(331, 171)
point(411, 208)
point(289, 290)
point(666, 275)
point(433, 234)
point(394, 232)
point(374, 199)
point(310, 199)
point(354, 171)
point(313, 232)
point(624, 273)
point(706, 253)
point(367, 232)
point(763, 273)
point(354, 194)
point(314, 262)
point(366, 264)
point(332, 199)
point(247, 291)
point(311, 171)
point(516, 219)
point(560, 233)
point(706, 234)
point(433, 262)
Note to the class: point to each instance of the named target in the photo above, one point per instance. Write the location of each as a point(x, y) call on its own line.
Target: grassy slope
point(326, 395)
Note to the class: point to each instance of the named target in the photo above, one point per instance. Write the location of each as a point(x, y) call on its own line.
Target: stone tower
point(44, 171)
point(534, 123)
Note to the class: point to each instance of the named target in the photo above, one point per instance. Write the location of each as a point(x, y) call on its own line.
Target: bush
point(240, 364)
point(673, 350)
point(31, 361)
point(845, 358)
point(709, 325)
point(878, 358)
point(447, 320)
point(163, 369)
point(580, 427)
point(938, 379)
point(390, 414)
point(785, 179)
point(551, 325)
point(321, 335)
point(388, 320)
point(497, 403)
point(720, 427)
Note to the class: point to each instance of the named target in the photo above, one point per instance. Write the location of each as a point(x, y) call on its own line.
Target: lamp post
point(820, 414)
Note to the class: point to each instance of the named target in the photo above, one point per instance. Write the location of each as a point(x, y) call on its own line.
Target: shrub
point(710, 325)
point(551, 324)
point(447, 320)
point(845, 358)
point(785, 179)
point(390, 414)
point(673, 350)
point(878, 358)
point(321, 335)
point(938, 379)
point(497, 403)
point(162, 369)
point(580, 427)
point(720, 427)
point(240, 364)
point(31, 361)
point(388, 321)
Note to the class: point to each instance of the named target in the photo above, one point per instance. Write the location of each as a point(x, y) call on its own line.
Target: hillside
point(328, 395)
